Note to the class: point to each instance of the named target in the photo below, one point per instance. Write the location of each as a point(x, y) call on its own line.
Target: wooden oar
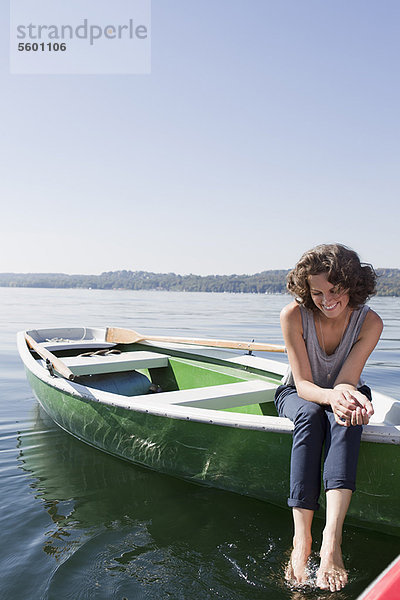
point(128, 336)
point(50, 358)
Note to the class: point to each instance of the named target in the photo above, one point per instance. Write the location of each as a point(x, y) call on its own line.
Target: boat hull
point(245, 461)
point(229, 458)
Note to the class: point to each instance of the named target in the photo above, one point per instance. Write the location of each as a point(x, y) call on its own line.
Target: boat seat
point(223, 396)
point(114, 363)
point(386, 409)
point(70, 338)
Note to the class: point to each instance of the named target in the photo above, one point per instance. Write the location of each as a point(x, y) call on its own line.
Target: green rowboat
point(199, 413)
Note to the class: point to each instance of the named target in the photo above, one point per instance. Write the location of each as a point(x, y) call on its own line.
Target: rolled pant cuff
point(293, 503)
point(339, 484)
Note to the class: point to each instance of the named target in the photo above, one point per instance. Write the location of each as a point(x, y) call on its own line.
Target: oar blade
point(118, 335)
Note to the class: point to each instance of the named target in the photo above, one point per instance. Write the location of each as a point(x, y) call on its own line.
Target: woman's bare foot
point(296, 571)
point(331, 574)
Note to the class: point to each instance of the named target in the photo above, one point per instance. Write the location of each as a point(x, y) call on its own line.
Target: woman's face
point(330, 299)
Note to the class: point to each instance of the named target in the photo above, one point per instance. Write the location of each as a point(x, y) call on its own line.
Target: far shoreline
point(266, 282)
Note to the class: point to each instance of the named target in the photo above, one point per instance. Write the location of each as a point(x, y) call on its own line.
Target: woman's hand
point(350, 407)
point(343, 406)
point(364, 408)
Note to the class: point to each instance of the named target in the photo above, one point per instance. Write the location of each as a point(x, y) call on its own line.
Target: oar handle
point(220, 343)
point(57, 363)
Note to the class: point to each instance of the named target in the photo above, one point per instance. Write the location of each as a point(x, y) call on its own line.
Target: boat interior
point(174, 375)
point(207, 382)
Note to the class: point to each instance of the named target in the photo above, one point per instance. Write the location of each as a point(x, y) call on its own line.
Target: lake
point(77, 524)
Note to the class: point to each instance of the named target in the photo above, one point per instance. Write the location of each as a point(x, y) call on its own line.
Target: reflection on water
point(121, 531)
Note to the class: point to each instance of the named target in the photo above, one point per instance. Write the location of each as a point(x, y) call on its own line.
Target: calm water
point(77, 524)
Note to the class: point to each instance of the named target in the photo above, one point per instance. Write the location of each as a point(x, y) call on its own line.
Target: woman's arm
point(370, 333)
point(351, 370)
point(292, 330)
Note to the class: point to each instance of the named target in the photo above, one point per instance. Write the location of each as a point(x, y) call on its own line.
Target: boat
point(200, 410)
point(386, 586)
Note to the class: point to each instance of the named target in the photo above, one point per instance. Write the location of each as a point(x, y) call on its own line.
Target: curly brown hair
point(343, 268)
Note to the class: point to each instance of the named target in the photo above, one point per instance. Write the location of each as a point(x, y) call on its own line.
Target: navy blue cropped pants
point(314, 427)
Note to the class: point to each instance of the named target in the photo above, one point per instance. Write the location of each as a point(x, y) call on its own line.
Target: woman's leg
point(305, 473)
point(310, 424)
point(296, 570)
point(342, 447)
point(340, 468)
point(331, 574)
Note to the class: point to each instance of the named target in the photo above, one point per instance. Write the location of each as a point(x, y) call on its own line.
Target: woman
point(329, 334)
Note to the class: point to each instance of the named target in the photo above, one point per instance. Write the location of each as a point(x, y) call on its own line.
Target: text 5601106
point(42, 47)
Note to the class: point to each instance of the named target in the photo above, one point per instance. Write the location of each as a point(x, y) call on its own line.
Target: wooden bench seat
point(218, 397)
point(114, 363)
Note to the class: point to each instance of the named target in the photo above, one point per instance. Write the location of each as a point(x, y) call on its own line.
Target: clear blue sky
point(264, 128)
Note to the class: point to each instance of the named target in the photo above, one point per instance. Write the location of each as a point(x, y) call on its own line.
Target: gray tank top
point(326, 367)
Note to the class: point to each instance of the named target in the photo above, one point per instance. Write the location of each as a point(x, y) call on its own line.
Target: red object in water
point(386, 586)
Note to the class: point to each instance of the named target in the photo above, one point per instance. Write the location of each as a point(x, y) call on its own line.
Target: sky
point(265, 127)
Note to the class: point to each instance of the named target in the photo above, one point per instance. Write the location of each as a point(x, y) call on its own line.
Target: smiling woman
point(329, 333)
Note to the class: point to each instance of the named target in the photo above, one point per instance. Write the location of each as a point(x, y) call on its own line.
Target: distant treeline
point(267, 282)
